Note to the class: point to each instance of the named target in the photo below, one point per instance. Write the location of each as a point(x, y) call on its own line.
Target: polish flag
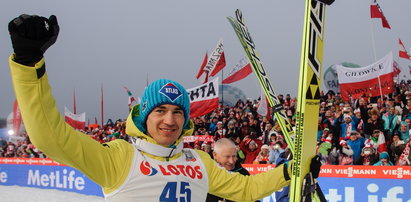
point(201, 70)
point(376, 12)
point(240, 71)
point(403, 52)
point(374, 79)
point(220, 65)
point(77, 121)
point(16, 118)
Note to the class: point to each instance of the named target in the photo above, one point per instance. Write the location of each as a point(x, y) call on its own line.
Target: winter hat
point(159, 92)
point(357, 111)
point(347, 116)
point(328, 139)
point(265, 147)
point(384, 155)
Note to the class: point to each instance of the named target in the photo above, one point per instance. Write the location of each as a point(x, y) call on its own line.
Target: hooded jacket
point(142, 171)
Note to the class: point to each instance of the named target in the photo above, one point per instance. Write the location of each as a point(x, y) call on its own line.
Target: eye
point(160, 110)
point(178, 112)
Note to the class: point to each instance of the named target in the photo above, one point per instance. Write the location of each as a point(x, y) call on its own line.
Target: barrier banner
point(198, 138)
point(355, 183)
point(47, 177)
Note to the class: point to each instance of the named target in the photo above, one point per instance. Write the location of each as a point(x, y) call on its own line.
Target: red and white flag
point(264, 107)
point(397, 69)
point(216, 60)
point(203, 98)
point(77, 121)
point(376, 12)
point(16, 118)
point(368, 80)
point(201, 70)
point(240, 71)
point(403, 52)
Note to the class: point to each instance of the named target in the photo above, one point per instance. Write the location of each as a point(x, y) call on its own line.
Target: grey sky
point(119, 43)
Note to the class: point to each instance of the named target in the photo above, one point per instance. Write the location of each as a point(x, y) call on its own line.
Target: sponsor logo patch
point(170, 91)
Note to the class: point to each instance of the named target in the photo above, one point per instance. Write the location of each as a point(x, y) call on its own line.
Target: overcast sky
point(121, 43)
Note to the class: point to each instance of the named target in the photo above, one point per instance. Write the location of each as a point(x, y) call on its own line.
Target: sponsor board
point(48, 177)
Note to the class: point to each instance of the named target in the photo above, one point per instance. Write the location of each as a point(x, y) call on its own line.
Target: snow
point(25, 194)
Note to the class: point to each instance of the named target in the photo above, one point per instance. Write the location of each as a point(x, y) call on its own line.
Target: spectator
point(390, 120)
point(263, 155)
point(373, 123)
point(356, 142)
point(220, 131)
point(347, 126)
point(404, 131)
point(245, 129)
point(397, 147)
point(367, 157)
point(225, 154)
point(377, 141)
point(405, 157)
point(232, 131)
point(384, 160)
point(324, 150)
point(346, 154)
point(251, 149)
point(213, 125)
point(275, 152)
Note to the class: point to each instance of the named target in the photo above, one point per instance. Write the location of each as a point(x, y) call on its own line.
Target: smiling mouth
point(167, 130)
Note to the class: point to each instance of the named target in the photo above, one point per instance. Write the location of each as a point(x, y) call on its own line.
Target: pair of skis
point(302, 143)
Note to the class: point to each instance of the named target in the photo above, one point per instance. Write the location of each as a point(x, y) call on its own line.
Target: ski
point(244, 36)
point(302, 185)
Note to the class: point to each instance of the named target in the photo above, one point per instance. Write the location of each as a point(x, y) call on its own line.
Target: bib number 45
point(169, 193)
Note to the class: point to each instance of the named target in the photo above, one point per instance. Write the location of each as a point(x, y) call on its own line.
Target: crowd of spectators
point(364, 131)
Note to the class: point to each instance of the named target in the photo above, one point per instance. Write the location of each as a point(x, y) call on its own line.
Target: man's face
point(165, 124)
point(347, 120)
point(226, 157)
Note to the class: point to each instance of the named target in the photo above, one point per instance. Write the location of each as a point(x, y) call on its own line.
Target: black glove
point(31, 36)
point(315, 166)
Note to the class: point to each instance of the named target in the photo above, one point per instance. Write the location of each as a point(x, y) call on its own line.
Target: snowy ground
point(28, 194)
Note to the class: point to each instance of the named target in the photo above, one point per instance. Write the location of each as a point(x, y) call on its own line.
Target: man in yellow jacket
point(155, 167)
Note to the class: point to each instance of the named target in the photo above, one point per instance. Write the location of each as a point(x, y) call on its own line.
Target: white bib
point(181, 180)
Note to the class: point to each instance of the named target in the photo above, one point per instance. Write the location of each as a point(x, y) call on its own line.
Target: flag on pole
point(201, 70)
point(372, 79)
point(376, 12)
point(403, 52)
point(130, 97)
point(396, 68)
point(220, 65)
point(77, 121)
point(102, 106)
point(16, 118)
point(74, 102)
point(263, 107)
point(215, 58)
point(240, 71)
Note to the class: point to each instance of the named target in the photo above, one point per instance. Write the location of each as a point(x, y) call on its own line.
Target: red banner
point(198, 138)
point(203, 98)
point(382, 172)
point(30, 161)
